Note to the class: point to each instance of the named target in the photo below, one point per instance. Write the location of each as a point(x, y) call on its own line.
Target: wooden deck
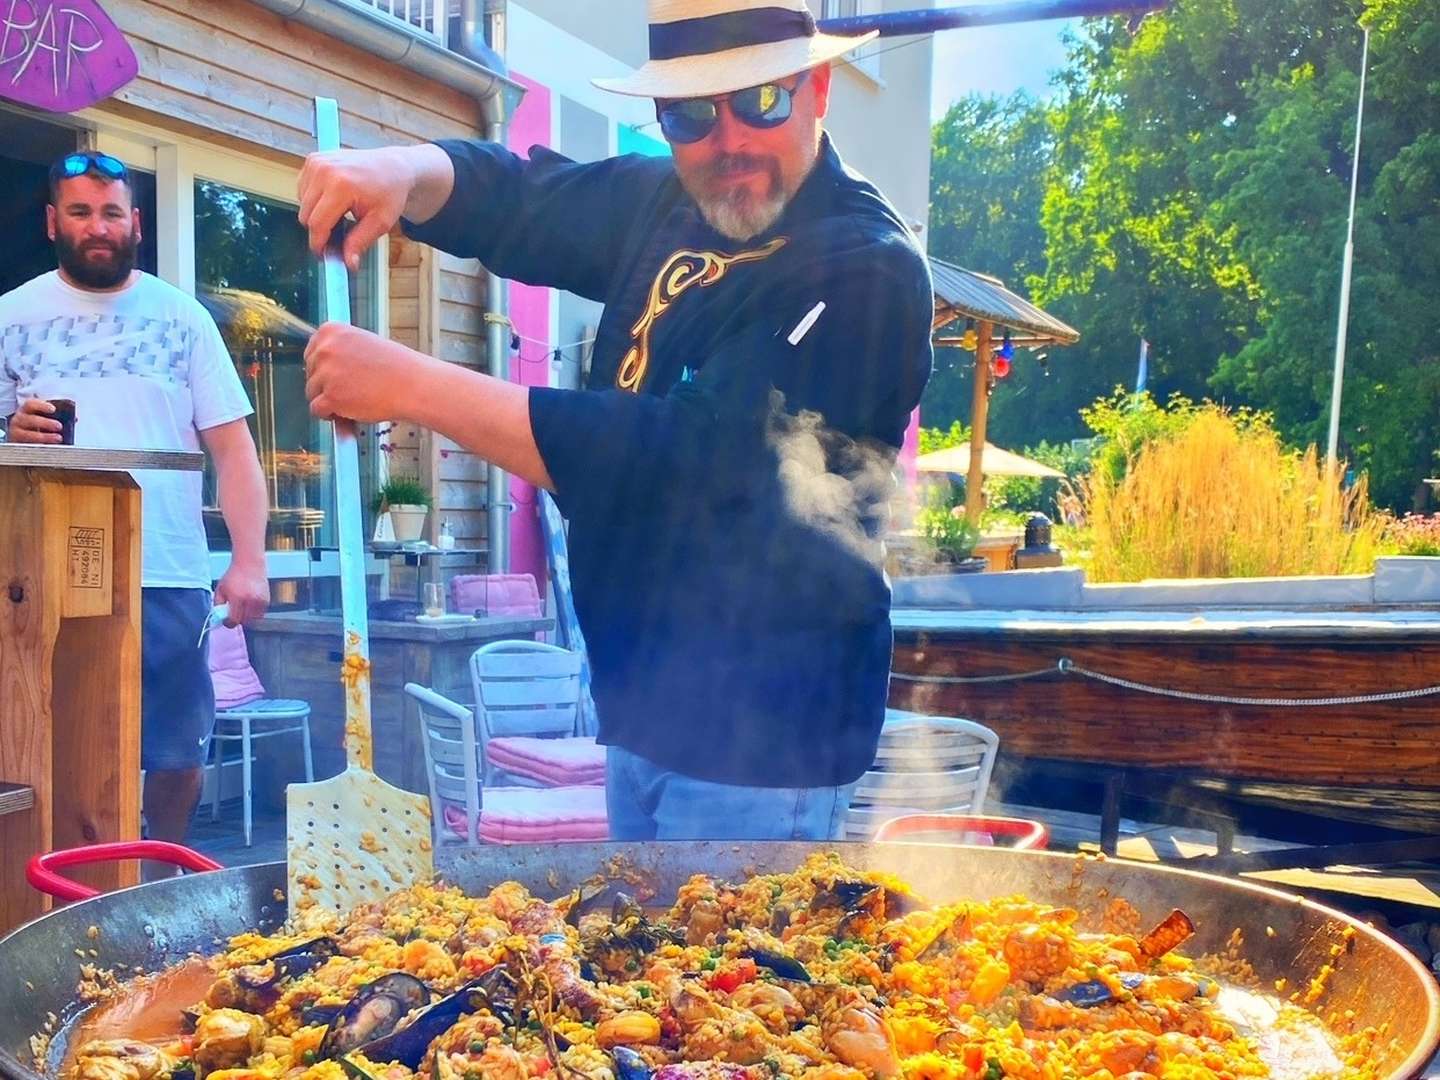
point(1346, 886)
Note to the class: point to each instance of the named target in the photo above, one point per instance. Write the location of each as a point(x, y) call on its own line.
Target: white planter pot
point(408, 522)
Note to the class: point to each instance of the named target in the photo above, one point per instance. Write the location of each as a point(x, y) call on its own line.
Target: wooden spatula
point(354, 837)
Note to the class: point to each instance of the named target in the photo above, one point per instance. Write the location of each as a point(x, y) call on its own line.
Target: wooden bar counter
point(69, 658)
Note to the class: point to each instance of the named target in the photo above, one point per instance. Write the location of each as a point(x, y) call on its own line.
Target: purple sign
point(61, 55)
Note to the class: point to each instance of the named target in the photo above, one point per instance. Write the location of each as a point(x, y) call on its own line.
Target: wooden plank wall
point(245, 77)
point(234, 68)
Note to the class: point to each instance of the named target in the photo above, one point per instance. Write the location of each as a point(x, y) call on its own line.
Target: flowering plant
point(1416, 534)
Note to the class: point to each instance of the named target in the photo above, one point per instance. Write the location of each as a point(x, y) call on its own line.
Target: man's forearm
point(487, 416)
point(434, 180)
point(244, 503)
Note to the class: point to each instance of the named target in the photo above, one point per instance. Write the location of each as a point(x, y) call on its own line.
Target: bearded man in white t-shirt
point(147, 369)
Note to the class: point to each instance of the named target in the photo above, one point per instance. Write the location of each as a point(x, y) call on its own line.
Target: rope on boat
point(1066, 666)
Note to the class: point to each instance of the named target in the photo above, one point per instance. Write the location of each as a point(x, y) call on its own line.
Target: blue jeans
point(646, 802)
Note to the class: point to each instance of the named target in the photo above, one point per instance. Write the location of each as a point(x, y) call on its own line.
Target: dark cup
point(65, 413)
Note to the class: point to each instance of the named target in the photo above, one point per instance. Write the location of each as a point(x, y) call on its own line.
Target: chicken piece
point(706, 919)
point(1037, 952)
point(227, 1038)
point(859, 1036)
point(120, 1059)
point(774, 1005)
point(1125, 1052)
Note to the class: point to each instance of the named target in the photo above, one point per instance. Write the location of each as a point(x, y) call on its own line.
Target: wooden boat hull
point(1394, 744)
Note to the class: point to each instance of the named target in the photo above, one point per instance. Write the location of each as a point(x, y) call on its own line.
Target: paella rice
point(825, 973)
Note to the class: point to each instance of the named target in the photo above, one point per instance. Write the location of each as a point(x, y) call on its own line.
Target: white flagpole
point(1332, 444)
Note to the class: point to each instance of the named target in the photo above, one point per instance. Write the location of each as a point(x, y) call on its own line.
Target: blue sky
point(996, 60)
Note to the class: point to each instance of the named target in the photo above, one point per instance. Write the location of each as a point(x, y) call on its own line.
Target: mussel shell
point(1088, 995)
point(407, 1045)
point(629, 1065)
point(374, 1012)
point(319, 1014)
point(296, 961)
point(583, 901)
point(782, 966)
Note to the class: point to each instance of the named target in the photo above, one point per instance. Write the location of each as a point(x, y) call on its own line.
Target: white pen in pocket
point(806, 324)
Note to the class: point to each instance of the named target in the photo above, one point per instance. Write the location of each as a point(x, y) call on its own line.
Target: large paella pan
point(796, 999)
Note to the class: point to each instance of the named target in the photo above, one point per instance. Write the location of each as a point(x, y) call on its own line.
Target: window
point(256, 276)
point(30, 147)
point(865, 60)
point(225, 229)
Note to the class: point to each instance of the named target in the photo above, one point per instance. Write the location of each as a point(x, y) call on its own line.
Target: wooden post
point(69, 658)
point(979, 413)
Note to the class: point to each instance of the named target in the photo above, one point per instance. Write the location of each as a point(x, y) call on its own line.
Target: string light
point(971, 340)
point(1007, 350)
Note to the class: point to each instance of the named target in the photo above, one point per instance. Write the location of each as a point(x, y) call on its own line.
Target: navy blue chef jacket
point(727, 492)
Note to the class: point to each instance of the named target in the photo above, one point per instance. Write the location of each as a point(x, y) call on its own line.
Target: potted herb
point(408, 503)
point(950, 538)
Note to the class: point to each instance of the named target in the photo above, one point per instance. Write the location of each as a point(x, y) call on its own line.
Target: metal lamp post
point(1333, 443)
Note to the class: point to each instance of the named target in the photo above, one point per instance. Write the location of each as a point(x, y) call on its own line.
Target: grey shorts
point(177, 699)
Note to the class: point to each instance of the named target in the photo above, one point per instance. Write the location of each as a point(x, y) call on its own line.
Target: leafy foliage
point(402, 491)
point(1190, 185)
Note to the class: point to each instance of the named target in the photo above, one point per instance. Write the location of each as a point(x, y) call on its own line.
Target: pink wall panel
point(530, 313)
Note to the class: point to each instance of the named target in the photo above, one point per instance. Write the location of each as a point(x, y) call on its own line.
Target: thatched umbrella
point(965, 294)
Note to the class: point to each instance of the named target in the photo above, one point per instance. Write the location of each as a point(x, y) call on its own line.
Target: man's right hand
point(377, 187)
point(32, 424)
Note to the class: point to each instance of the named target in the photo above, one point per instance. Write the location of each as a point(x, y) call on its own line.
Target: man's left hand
point(247, 590)
point(360, 376)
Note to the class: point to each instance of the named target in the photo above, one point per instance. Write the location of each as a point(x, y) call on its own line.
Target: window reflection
point(255, 275)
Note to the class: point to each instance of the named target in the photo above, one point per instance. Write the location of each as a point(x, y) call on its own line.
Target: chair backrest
point(525, 688)
point(453, 761)
point(940, 754)
point(235, 680)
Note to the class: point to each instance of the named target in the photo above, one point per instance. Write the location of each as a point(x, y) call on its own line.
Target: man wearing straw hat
point(727, 471)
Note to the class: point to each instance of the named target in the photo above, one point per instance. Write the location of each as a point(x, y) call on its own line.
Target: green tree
point(1193, 182)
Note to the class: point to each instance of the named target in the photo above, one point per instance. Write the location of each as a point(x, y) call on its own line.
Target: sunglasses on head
point(82, 162)
point(691, 119)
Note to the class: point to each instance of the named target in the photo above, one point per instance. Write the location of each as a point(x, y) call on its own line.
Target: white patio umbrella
point(995, 462)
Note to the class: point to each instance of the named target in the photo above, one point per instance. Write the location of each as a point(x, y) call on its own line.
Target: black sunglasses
point(691, 119)
point(85, 161)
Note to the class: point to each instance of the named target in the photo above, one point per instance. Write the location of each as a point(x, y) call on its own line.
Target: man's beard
point(737, 213)
point(106, 274)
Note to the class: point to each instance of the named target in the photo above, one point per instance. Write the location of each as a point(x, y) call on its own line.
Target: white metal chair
point(249, 720)
point(507, 814)
point(924, 764)
point(452, 761)
point(527, 690)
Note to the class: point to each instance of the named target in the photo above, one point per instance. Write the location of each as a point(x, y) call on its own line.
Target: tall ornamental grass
point(1223, 497)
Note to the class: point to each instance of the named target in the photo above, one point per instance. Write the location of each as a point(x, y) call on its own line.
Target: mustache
point(736, 164)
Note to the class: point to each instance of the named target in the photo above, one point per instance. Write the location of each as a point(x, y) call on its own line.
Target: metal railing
point(428, 17)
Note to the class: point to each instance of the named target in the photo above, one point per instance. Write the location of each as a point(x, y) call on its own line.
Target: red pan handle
point(40, 871)
point(1030, 835)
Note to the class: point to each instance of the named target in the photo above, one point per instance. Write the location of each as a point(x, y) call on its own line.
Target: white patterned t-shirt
point(148, 370)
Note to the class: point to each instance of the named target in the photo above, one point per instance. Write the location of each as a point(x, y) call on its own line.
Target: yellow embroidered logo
point(682, 271)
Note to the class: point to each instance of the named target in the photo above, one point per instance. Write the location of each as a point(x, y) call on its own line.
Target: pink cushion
point(554, 762)
point(235, 680)
point(532, 815)
point(496, 594)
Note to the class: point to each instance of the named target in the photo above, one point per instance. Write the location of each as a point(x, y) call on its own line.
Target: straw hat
point(700, 48)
